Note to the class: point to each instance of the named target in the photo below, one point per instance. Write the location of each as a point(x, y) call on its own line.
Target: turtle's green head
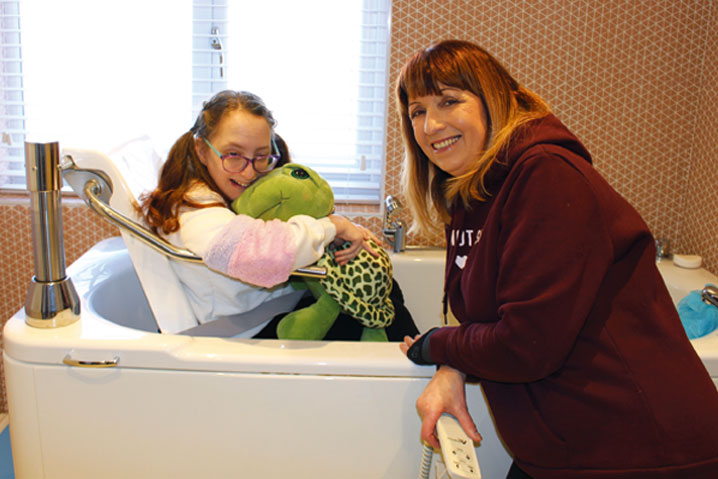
point(290, 190)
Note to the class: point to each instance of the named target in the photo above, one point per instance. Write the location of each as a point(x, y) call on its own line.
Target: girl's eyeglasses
point(236, 163)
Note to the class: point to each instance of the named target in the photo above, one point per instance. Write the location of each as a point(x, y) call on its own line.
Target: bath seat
point(138, 162)
point(130, 170)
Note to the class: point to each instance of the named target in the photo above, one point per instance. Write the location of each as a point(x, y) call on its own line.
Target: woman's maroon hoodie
point(568, 325)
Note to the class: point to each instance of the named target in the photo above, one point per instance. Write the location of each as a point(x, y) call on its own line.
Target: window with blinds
point(93, 75)
point(12, 118)
point(209, 35)
point(100, 83)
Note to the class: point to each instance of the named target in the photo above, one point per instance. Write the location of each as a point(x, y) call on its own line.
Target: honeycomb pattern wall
point(81, 229)
point(634, 80)
point(622, 75)
point(699, 228)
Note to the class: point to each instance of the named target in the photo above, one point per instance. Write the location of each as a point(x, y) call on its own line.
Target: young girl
point(231, 144)
point(564, 316)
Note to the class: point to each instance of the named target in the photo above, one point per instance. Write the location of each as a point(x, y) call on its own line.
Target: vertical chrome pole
point(51, 299)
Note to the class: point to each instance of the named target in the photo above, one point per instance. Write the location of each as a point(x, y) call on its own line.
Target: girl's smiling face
point(237, 132)
point(450, 128)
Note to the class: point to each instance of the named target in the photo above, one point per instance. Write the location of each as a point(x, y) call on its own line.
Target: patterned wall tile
point(622, 74)
point(699, 229)
point(81, 229)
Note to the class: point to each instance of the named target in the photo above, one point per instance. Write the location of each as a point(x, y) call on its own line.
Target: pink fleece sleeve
point(253, 251)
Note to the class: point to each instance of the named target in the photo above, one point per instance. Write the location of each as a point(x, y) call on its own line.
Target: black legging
point(346, 328)
point(516, 473)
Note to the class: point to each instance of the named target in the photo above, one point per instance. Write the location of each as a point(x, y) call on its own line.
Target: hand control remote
point(457, 449)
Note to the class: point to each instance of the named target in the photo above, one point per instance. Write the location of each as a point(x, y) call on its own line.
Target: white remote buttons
point(457, 449)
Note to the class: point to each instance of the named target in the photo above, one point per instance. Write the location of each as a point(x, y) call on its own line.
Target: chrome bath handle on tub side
point(92, 190)
point(110, 363)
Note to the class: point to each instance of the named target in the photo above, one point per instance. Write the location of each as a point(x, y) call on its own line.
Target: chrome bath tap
point(394, 228)
point(663, 249)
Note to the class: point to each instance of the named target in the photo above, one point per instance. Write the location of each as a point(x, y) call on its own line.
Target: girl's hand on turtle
point(357, 236)
point(368, 235)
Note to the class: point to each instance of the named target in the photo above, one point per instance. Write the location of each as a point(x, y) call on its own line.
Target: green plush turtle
point(360, 288)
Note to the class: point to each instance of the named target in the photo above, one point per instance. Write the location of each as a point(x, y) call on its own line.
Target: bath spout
point(663, 249)
point(394, 229)
point(51, 298)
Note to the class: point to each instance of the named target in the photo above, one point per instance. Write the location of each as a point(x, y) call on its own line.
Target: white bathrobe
point(250, 258)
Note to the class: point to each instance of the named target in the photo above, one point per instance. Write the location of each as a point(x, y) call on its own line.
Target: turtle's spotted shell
point(362, 286)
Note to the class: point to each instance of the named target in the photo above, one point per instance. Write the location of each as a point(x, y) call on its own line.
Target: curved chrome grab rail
point(92, 190)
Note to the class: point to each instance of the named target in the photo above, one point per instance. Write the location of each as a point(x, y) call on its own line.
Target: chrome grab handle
point(110, 363)
point(97, 191)
point(310, 272)
point(93, 188)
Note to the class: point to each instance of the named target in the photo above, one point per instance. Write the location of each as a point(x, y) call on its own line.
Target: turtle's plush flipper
point(297, 284)
point(374, 334)
point(311, 322)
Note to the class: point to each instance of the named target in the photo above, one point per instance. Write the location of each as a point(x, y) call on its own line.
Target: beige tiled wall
point(635, 80)
point(82, 229)
point(623, 75)
point(698, 230)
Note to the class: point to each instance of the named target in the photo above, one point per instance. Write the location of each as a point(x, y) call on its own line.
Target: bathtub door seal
point(110, 363)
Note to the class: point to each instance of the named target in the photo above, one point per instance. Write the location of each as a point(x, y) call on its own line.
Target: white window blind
point(323, 74)
point(110, 74)
point(209, 35)
point(12, 118)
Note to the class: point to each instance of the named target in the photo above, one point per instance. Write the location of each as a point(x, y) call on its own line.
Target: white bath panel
point(119, 423)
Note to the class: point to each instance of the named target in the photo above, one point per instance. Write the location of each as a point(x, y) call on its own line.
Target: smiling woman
point(564, 316)
point(450, 127)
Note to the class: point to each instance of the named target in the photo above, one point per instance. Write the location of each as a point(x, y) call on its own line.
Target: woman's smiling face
point(450, 128)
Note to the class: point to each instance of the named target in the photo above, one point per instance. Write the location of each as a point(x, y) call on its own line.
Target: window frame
point(362, 183)
point(12, 112)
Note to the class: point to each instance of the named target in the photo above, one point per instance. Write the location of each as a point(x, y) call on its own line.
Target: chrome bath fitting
point(709, 294)
point(663, 248)
point(394, 228)
point(51, 299)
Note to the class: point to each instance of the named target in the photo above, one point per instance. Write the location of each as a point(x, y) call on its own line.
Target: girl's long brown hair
point(428, 190)
point(183, 167)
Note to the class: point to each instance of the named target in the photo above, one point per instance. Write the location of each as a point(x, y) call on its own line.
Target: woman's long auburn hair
point(183, 167)
point(428, 190)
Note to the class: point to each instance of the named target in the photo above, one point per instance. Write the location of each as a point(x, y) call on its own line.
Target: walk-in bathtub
point(109, 397)
point(186, 407)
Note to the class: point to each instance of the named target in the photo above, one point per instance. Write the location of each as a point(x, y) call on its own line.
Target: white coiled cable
point(427, 456)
